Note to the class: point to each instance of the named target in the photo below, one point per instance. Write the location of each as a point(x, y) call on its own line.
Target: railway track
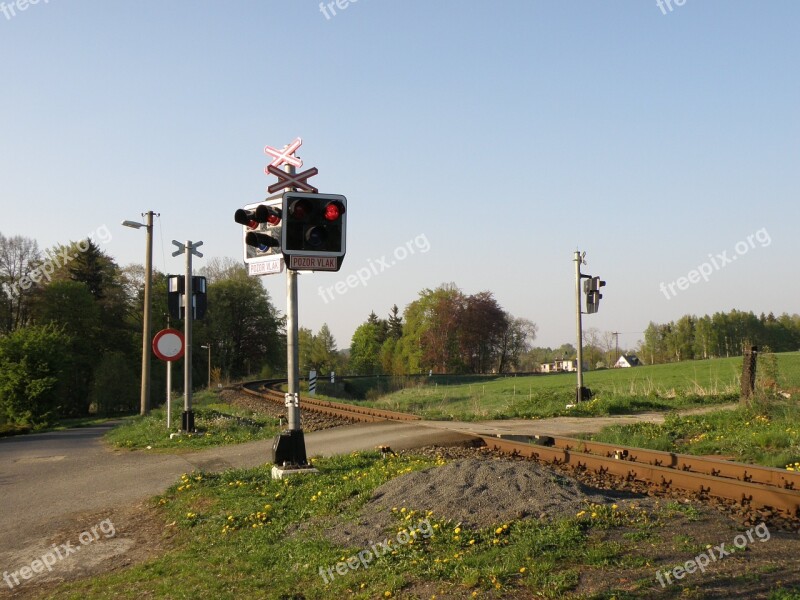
point(752, 486)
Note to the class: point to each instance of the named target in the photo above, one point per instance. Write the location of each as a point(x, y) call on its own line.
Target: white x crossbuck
point(285, 156)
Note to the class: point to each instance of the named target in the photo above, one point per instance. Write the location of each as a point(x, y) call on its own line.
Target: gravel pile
point(480, 493)
point(476, 492)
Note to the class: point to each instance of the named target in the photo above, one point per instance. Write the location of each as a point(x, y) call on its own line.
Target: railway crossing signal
point(314, 232)
point(308, 230)
point(591, 287)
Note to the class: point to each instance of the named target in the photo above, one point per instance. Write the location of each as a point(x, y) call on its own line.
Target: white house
point(627, 360)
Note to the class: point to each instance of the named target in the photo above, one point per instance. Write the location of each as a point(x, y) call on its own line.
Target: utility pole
point(616, 345)
point(579, 260)
point(144, 407)
point(187, 419)
point(148, 307)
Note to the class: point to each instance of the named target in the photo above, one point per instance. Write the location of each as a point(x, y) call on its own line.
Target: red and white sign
point(168, 344)
point(267, 266)
point(315, 263)
point(297, 180)
point(285, 156)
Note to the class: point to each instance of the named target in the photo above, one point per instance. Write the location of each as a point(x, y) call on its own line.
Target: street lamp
point(208, 347)
point(148, 275)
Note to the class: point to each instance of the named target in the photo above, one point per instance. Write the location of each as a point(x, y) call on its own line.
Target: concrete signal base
point(288, 471)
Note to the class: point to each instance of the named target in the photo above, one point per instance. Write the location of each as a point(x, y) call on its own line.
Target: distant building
point(560, 366)
point(627, 360)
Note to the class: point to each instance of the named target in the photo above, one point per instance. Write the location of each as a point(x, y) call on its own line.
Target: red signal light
point(268, 214)
point(246, 218)
point(333, 210)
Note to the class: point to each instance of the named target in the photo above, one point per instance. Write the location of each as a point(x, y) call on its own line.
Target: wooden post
point(749, 372)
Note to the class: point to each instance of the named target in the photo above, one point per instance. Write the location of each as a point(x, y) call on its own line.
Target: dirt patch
point(122, 537)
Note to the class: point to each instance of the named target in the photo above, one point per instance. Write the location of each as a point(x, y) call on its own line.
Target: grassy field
point(618, 391)
point(217, 424)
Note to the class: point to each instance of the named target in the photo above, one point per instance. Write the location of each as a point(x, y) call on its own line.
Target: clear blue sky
point(507, 134)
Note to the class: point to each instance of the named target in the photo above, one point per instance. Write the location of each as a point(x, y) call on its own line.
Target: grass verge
point(217, 424)
point(765, 432)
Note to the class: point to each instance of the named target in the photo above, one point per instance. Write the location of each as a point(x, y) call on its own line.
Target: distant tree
point(395, 323)
point(70, 306)
point(115, 388)
point(381, 326)
point(243, 325)
point(218, 269)
point(19, 256)
point(482, 327)
point(516, 341)
point(365, 350)
point(32, 365)
point(681, 339)
point(702, 337)
point(306, 349)
point(324, 355)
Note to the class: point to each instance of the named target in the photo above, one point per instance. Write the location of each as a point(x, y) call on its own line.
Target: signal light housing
point(261, 235)
point(314, 233)
point(592, 288)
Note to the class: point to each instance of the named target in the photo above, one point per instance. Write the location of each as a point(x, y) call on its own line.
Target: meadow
point(663, 387)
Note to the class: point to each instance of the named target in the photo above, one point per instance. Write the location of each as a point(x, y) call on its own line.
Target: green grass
point(765, 432)
point(238, 535)
point(618, 391)
point(217, 424)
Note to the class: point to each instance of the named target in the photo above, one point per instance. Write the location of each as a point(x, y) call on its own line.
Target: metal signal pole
point(290, 447)
point(578, 320)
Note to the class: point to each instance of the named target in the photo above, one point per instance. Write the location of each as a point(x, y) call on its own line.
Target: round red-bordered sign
point(168, 344)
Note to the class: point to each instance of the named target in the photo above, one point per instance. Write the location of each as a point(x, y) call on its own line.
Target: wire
point(163, 254)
